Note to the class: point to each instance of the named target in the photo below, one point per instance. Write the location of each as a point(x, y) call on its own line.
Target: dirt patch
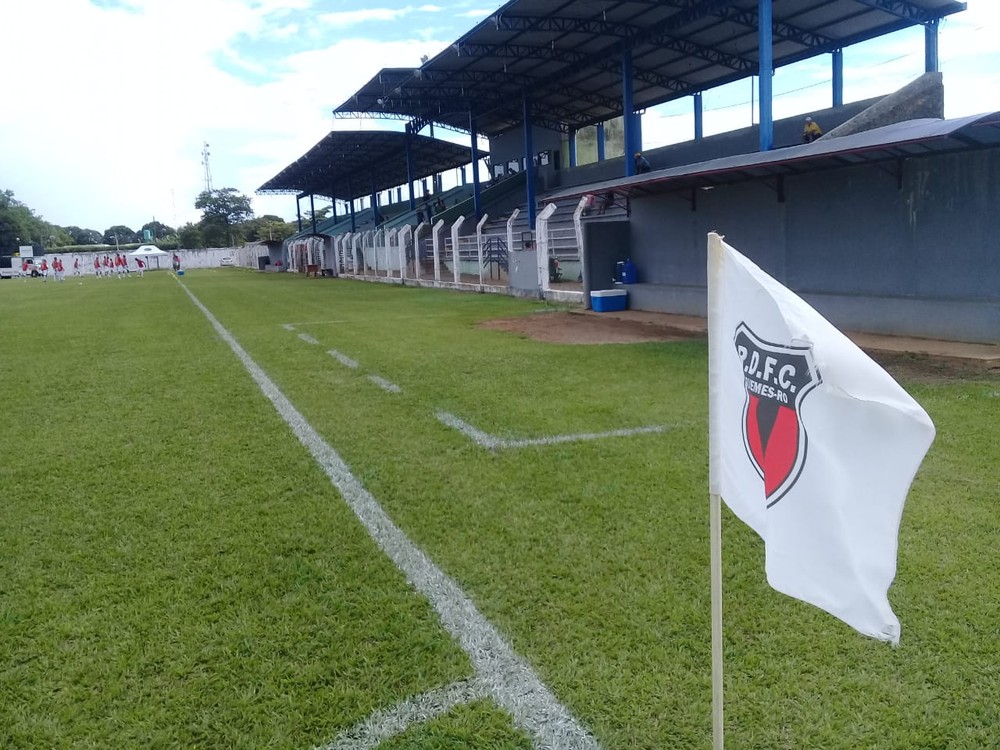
point(927, 368)
point(590, 328)
point(576, 328)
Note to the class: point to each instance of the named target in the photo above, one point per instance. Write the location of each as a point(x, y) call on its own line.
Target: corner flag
point(813, 445)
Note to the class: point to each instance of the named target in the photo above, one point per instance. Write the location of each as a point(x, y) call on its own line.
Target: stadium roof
point(901, 140)
point(567, 54)
point(361, 162)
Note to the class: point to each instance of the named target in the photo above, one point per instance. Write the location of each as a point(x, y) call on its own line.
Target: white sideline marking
point(382, 725)
point(492, 442)
point(288, 326)
point(307, 338)
point(505, 677)
point(384, 384)
point(343, 358)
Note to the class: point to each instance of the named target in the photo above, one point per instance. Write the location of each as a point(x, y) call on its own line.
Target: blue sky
point(109, 102)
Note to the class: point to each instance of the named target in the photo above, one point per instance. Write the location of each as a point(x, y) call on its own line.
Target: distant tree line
point(227, 220)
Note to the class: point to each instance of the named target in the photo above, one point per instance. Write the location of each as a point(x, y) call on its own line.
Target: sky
point(108, 104)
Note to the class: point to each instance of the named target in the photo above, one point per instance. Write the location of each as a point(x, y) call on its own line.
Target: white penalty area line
point(384, 384)
point(506, 678)
point(344, 359)
point(492, 442)
point(307, 338)
point(382, 725)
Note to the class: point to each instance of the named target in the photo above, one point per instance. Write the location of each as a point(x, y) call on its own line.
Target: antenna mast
point(208, 169)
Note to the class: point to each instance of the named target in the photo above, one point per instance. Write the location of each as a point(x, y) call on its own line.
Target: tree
point(19, 225)
point(268, 227)
point(123, 234)
point(84, 236)
point(222, 214)
point(224, 206)
point(189, 236)
point(158, 230)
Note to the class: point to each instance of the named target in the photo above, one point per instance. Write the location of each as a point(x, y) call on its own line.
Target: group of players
point(119, 265)
point(103, 266)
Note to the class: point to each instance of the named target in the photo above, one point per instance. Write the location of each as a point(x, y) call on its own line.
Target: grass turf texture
point(177, 572)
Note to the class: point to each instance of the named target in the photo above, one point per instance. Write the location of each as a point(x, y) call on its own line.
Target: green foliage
point(20, 226)
point(85, 236)
point(158, 230)
point(120, 235)
point(224, 214)
point(227, 220)
point(268, 227)
point(189, 236)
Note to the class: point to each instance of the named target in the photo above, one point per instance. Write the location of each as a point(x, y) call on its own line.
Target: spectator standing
point(177, 262)
point(642, 164)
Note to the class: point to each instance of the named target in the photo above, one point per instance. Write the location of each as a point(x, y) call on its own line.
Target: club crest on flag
point(776, 378)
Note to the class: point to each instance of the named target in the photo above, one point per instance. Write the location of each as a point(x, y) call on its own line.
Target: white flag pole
point(715, 510)
point(716, 256)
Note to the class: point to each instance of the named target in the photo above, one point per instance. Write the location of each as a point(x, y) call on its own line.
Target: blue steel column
point(529, 162)
point(312, 210)
point(628, 112)
point(333, 206)
point(838, 78)
point(572, 147)
point(350, 191)
point(600, 141)
point(409, 164)
point(931, 46)
point(298, 211)
point(766, 58)
point(374, 200)
point(476, 193)
point(699, 117)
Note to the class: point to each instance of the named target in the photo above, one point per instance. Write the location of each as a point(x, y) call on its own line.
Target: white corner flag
point(813, 445)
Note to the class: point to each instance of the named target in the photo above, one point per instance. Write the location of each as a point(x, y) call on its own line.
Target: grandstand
point(882, 224)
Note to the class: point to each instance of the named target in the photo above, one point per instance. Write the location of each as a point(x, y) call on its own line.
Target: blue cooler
point(609, 300)
point(180, 271)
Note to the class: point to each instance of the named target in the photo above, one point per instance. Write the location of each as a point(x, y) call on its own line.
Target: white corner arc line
point(384, 384)
point(343, 359)
point(491, 442)
point(384, 724)
point(307, 338)
point(507, 678)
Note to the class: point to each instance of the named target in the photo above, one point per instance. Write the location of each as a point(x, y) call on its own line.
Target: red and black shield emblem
point(776, 379)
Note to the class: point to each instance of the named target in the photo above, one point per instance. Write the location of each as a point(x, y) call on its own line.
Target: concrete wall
point(922, 260)
point(607, 243)
point(787, 132)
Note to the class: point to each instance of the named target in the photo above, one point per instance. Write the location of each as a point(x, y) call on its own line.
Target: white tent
point(145, 250)
point(148, 251)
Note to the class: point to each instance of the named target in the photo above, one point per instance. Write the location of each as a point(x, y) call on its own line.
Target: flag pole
point(715, 530)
